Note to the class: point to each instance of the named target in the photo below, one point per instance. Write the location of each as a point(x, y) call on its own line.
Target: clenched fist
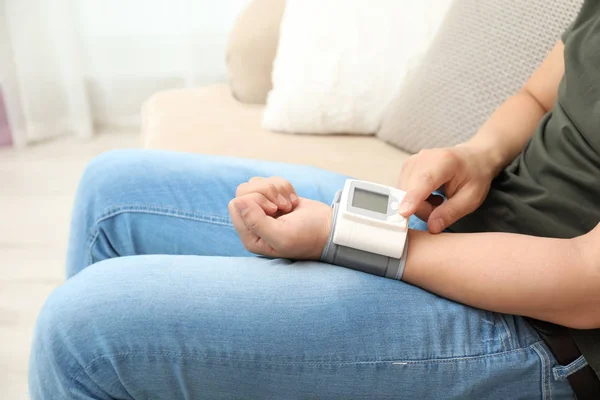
point(273, 221)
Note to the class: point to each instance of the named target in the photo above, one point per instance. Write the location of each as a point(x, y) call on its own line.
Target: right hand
point(465, 173)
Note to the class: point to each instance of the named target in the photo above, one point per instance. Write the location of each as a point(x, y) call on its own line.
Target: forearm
point(508, 130)
point(543, 278)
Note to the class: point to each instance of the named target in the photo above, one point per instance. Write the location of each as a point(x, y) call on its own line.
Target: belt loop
point(563, 372)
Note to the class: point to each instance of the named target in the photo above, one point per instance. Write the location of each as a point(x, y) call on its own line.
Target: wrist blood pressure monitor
point(367, 232)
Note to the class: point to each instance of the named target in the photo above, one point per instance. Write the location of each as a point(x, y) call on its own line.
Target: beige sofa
point(479, 57)
point(210, 120)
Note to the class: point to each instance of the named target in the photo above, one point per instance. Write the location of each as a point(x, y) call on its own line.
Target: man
point(527, 184)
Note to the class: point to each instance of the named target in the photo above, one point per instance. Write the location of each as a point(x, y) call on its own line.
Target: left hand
point(465, 172)
point(297, 228)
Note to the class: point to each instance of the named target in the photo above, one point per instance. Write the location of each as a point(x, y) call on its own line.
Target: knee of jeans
point(107, 180)
point(73, 331)
point(76, 315)
point(104, 177)
point(62, 332)
point(108, 170)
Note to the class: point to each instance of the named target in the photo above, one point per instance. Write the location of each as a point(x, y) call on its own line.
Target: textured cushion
point(251, 50)
point(340, 62)
point(209, 121)
point(483, 53)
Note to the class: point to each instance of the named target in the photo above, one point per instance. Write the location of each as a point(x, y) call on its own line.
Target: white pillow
point(340, 62)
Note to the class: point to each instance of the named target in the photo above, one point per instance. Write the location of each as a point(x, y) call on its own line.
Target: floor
point(37, 186)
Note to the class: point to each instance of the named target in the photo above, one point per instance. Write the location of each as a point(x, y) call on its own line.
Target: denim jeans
point(163, 302)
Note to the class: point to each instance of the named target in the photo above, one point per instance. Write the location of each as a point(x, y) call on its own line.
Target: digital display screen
point(371, 201)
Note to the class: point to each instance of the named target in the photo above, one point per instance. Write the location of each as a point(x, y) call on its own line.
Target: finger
point(451, 211)
point(246, 236)
point(277, 189)
point(256, 221)
point(405, 172)
point(249, 239)
point(286, 189)
point(251, 242)
point(267, 205)
point(267, 189)
point(421, 183)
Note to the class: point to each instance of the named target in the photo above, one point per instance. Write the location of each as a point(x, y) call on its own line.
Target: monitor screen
point(371, 201)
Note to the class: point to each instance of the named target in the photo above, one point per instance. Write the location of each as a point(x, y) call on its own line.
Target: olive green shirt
point(552, 188)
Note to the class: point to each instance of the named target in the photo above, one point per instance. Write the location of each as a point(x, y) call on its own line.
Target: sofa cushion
point(482, 54)
point(251, 49)
point(210, 121)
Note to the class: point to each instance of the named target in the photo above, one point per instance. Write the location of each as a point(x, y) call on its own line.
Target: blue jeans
point(163, 302)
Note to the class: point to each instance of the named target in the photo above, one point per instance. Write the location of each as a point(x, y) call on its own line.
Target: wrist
point(415, 239)
point(360, 259)
point(324, 236)
point(490, 158)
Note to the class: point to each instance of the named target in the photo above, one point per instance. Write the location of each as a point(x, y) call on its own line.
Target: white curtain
point(73, 65)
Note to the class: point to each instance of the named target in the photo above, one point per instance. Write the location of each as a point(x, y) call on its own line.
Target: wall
point(5, 133)
point(134, 48)
point(5, 78)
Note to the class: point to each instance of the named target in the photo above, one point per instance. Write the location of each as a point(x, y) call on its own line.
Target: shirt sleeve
point(567, 32)
point(588, 8)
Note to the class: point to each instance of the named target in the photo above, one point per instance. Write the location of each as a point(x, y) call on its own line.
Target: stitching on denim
point(498, 332)
point(546, 373)
point(562, 372)
point(113, 211)
point(91, 243)
point(161, 210)
point(509, 336)
point(307, 363)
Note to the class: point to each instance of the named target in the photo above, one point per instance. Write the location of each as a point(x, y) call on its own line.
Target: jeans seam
point(160, 210)
point(300, 363)
point(500, 332)
point(546, 370)
point(113, 211)
point(509, 338)
point(92, 241)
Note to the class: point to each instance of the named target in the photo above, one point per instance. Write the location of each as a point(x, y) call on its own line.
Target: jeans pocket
point(563, 372)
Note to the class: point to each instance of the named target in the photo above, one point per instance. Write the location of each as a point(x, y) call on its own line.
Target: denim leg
point(192, 327)
point(135, 202)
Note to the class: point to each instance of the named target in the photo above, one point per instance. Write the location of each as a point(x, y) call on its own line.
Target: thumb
point(257, 221)
point(450, 211)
